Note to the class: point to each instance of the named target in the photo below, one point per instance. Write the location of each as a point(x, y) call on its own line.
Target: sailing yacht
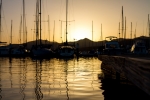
point(21, 50)
point(40, 50)
point(66, 50)
point(4, 48)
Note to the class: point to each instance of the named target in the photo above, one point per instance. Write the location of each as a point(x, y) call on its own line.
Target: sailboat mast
point(149, 29)
point(101, 33)
point(149, 25)
point(20, 30)
point(24, 25)
point(92, 33)
point(119, 30)
point(40, 22)
point(122, 21)
point(131, 30)
point(49, 27)
point(66, 20)
point(11, 33)
point(37, 22)
point(53, 34)
point(0, 19)
point(125, 29)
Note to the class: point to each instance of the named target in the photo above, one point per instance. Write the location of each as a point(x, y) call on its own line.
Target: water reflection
point(52, 79)
point(38, 72)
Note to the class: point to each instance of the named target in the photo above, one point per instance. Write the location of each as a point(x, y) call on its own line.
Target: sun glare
point(81, 34)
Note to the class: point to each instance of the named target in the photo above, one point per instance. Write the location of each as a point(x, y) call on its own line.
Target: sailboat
point(21, 50)
point(4, 48)
point(40, 50)
point(66, 50)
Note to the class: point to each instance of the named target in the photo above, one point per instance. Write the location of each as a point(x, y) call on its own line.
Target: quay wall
point(135, 69)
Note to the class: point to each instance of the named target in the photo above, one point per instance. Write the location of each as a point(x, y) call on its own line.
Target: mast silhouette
point(149, 25)
point(66, 21)
point(92, 33)
point(11, 34)
point(0, 19)
point(125, 29)
point(131, 30)
point(24, 26)
point(40, 23)
point(149, 29)
point(122, 22)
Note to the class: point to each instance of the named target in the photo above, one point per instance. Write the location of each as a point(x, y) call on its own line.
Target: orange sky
point(81, 13)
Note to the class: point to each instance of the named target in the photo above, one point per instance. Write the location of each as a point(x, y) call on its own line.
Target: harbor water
point(61, 79)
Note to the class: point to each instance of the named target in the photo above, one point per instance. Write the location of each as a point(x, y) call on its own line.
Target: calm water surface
point(60, 79)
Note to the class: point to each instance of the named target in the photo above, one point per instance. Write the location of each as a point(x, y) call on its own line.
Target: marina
point(70, 60)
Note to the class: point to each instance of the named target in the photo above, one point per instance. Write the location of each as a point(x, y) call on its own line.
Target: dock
point(135, 68)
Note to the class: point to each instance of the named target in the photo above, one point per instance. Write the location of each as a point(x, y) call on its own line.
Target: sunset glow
point(105, 12)
point(82, 33)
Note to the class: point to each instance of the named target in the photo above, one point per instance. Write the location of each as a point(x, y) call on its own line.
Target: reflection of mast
point(38, 92)
point(10, 71)
point(23, 78)
point(0, 83)
point(66, 70)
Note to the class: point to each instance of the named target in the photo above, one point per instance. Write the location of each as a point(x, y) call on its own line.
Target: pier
point(134, 68)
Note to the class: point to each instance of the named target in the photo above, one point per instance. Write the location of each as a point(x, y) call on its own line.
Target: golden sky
point(81, 13)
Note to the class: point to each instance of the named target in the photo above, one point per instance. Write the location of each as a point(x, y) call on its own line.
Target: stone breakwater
point(135, 69)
